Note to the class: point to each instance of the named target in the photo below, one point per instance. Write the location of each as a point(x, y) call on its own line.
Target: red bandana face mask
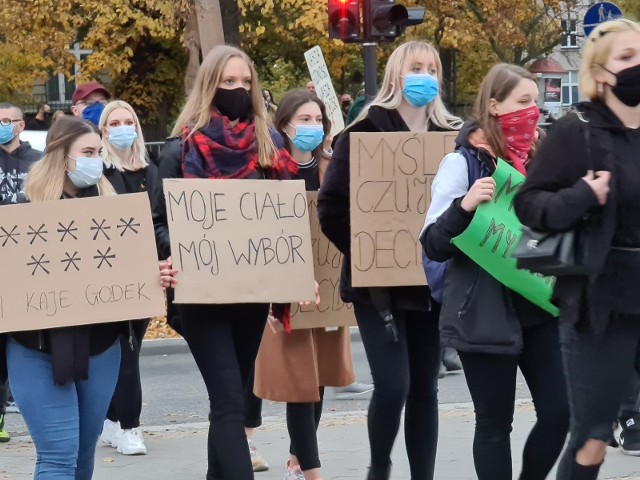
point(519, 130)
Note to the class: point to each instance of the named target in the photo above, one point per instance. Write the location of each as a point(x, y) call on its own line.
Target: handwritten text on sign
point(240, 240)
point(324, 87)
point(391, 177)
point(492, 235)
point(327, 260)
point(75, 262)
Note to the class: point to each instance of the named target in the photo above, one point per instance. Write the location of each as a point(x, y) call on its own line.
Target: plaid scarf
point(219, 150)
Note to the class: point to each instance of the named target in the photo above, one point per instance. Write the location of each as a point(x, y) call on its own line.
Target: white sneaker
point(257, 461)
point(131, 442)
point(110, 430)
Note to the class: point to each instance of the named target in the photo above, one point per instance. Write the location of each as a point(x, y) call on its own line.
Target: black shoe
point(451, 359)
point(630, 437)
point(379, 473)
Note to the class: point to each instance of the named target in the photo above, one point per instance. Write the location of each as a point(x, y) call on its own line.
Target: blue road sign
point(598, 13)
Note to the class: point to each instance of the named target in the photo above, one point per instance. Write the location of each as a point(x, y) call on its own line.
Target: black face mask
point(627, 87)
point(234, 104)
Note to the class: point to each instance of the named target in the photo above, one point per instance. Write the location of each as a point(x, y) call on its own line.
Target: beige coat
point(292, 366)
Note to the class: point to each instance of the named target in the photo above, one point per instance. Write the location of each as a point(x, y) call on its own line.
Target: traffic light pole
point(369, 57)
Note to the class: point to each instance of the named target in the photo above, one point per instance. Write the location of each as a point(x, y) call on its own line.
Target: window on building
point(570, 33)
point(570, 88)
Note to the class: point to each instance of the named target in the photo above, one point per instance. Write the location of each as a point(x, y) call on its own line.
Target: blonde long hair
point(46, 177)
point(110, 155)
point(390, 94)
point(197, 111)
point(596, 53)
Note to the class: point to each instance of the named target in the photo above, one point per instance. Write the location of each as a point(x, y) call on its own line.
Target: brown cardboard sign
point(327, 263)
point(391, 177)
point(76, 262)
point(237, 241)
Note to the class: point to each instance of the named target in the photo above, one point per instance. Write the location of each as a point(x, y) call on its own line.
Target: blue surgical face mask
point(93, 112)
point(6, 134)
point(122, 137)
point(420, 89)
point(88, 171)
point(308, 137)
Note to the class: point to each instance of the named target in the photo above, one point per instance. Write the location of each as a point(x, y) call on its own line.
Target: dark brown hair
point(501, 80)
point(289, 105)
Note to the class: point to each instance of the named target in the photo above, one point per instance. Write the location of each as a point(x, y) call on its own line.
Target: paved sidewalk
point(179, 451)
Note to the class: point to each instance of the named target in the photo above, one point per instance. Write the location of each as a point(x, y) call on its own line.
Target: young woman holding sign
point(576, 181)
point(63, 378)
point(295, 367)
point(405, 371)
point(494, 329)
point(126, 167)
point(223, 132)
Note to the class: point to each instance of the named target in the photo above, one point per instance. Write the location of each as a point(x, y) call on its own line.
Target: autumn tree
point(37, 35)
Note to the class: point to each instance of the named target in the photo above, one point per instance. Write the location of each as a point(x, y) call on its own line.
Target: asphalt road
point(174, 393)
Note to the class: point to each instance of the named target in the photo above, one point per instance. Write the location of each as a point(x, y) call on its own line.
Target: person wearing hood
point(494, 329)
point(88, 101)
point(594, 181)
point(405, 373)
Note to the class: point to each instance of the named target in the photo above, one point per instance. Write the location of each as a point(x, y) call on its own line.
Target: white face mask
point(87, 173)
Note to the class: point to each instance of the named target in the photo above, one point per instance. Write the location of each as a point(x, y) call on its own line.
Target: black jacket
point(123, 183)
point(13, 170)
point(555, 198)
point(479, 314)
point(333, 210)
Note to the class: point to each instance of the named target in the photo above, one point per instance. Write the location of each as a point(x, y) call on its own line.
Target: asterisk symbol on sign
point(39, 233)
point(100, 227)
point(67, 230)
point(71, 260)
point(128, 225)
point(40, 262)
point(104, 257)
point(9, 235)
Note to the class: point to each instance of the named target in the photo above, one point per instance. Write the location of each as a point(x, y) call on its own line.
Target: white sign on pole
point(324, 87)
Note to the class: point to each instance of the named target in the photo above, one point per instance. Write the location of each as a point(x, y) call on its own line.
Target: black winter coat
point(554, 198)
point(333, 211)
point(479, 314)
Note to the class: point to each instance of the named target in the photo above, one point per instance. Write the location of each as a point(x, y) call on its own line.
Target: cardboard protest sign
point(324, 87)
point(327, 263)
point(493, 234)
point(75, 262)
point(391, 177)
point(237, 241)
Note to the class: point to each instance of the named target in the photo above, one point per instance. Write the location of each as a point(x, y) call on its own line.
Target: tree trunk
point(209, 24)
point(231, 21)
point(192, 44)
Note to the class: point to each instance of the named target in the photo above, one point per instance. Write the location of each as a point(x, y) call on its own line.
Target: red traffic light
point(344, 20)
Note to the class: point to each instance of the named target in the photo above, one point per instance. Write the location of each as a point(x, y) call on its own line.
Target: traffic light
point(383, 19)
point(344, 20)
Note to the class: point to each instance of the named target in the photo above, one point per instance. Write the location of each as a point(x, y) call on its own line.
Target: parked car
point(36, 138)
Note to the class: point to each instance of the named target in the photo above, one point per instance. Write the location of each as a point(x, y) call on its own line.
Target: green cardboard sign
point(493, 234)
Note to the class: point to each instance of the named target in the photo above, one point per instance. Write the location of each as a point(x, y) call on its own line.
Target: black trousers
point(4, 396)
point(224, 341)
point(302, 423)
point(252, 404)
point(599, 369)
point(405, 375)
point(492, 383)
point(126, 404)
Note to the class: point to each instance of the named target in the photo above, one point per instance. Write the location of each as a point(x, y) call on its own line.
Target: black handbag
point(560, 253)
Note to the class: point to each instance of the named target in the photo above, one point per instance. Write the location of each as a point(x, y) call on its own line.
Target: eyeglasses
point(5, 122)
point(89, 103)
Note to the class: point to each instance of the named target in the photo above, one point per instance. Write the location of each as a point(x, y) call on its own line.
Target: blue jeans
point(64, 421)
